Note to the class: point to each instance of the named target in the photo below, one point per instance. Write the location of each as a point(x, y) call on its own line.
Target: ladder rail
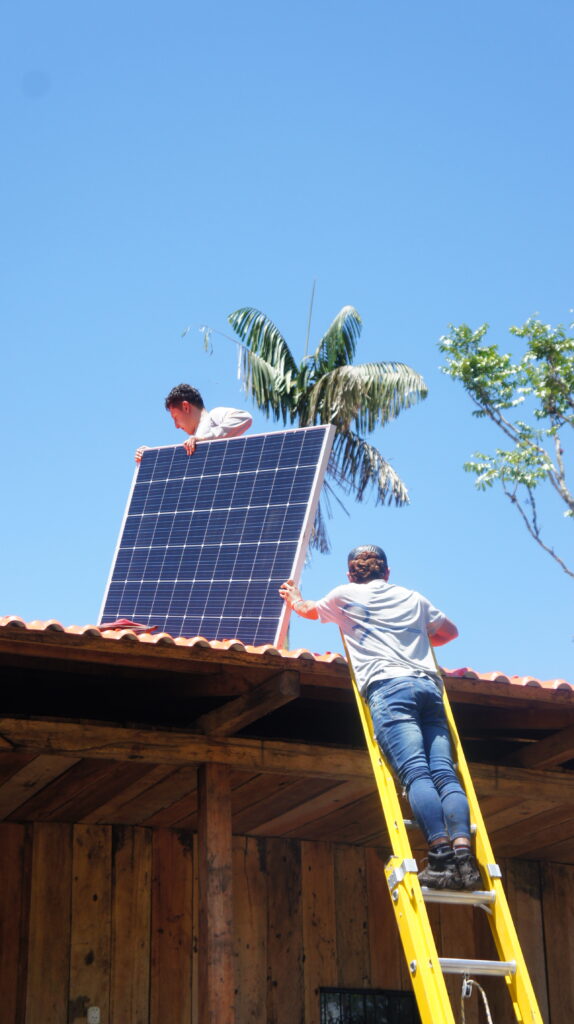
point(501, 922)
point(426, 967)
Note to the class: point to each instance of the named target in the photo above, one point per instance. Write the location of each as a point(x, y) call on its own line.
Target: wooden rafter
point(547, 753)
point(280, 689)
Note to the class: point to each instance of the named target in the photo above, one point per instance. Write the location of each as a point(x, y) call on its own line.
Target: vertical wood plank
point(558, 912)
point(49, 943)
point(195, 934)
point(216, 964)
point(495, 988)
point(523, 889)
point(352, 917)
point(131, 915)
point(457, 939)
point(172, 888)
point(285, 992)
point(388, 965)
point(319, 926)
point(250, 918)
point(15, 861)
point(91, 922)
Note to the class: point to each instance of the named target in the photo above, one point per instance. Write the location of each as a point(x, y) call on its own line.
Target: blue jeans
point(411, 729)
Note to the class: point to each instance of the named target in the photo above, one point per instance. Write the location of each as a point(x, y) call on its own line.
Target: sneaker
point(442, 870)
point(468, 868)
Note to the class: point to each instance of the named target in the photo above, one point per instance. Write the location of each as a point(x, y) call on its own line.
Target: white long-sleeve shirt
point(222, 422)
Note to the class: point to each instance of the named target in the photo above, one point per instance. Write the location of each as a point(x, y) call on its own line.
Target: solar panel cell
point(207, 540)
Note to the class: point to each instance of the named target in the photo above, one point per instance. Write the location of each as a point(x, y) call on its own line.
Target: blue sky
point(165, 165)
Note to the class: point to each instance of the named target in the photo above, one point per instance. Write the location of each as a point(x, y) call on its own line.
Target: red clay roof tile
point(165, 639)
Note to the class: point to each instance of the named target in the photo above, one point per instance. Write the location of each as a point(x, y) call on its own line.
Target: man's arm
point(292, 596)
point(219, 423)
point(446, 631)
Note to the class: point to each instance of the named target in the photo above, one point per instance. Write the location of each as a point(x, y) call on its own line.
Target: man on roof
point(188, 412)
point(389, 631)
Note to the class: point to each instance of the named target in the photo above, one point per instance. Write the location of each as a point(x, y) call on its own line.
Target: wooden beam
point(556, 787)
point(464, 690)
point(257, 756)
point(547, 753)
point(85, 739)
point(236, 714)
point(37, 648)
point(216, 939)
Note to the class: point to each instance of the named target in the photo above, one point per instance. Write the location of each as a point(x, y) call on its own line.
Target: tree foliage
point(531, 401)
point(326, 387)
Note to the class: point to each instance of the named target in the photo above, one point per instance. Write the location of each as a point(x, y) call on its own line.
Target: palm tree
point(327, 388)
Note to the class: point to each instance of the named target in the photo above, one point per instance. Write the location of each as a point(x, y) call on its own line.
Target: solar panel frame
point(157, 537)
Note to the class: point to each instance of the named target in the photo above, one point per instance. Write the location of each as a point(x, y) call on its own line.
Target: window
point(367, 1006)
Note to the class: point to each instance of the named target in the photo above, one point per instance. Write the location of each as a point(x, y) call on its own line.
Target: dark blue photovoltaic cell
point(209, 538)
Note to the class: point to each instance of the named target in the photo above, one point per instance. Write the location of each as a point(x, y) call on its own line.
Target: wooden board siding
point(90, 921)
point(15, 864)
point(319, 924)
point(285, 932)
point(130, 925)
point(307, 915)
point(523, 882)
point(250, 912)
point(388, 966)
point(558, 911)
point(351, 917)
point(47, 990)
point(172, 917)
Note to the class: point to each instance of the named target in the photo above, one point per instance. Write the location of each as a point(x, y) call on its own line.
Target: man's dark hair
point(367, 562)
point(184, 393)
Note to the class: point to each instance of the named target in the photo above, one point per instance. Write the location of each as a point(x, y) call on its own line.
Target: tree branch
point(533, 528)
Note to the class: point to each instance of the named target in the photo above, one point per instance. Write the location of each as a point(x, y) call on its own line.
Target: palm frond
point(365, 395)
point(263, 338)
point(338, 344)
point(319, 539)
point(359, 468)
point(265, 384)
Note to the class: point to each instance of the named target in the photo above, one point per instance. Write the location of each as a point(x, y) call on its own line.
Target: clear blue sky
point(166, 164)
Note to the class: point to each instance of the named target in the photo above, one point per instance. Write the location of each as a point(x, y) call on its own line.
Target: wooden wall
point(107, 916)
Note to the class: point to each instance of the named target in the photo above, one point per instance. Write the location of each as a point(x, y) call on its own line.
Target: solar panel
point(207, 539)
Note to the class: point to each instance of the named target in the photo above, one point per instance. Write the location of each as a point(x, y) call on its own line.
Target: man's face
point(185, 416)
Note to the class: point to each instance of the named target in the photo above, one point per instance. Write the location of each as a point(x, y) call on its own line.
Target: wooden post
point(216, 960)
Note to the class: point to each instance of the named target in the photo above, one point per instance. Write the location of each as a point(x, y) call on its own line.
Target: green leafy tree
point(531, 401)
point(325, 387)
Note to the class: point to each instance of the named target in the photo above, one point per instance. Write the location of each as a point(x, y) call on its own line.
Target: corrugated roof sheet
point(165, 639)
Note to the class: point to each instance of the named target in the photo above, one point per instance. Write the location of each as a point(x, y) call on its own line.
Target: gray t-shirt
point(386, 629)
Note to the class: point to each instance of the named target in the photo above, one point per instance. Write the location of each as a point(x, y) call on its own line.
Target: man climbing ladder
point(389, 631)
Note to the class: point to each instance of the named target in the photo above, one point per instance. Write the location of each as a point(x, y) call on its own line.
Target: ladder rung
point(478, 897)
point(452, 965)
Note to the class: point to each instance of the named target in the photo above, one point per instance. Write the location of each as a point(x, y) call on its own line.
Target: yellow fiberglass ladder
point(408, 897)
